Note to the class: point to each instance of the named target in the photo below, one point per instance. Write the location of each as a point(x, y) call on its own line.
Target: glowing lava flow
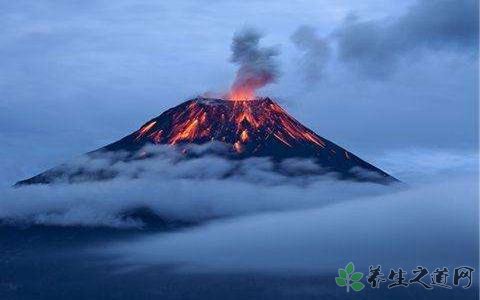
point(145, 129)
point(252, 128)
point(246, 125)
point(241, 94)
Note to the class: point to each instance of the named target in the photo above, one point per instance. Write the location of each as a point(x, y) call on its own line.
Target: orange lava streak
point(300, 133)
point(277, 108)
point(203, 118)
point(244, 112)
point(238, 147)
point(156, 136)
point(247, 117)
point(244, 136)
point(282, 139)
point(145, 129)
point(185, 134)
point(307, 135)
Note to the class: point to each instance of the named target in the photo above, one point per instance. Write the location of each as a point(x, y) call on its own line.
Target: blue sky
point(77, 75)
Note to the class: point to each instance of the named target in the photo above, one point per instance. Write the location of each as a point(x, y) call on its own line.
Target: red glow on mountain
point(245, 124)
point(248, 128)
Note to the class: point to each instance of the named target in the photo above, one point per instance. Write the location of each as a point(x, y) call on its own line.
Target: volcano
point(249, 128)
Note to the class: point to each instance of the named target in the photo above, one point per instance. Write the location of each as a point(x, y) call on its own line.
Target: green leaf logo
point(349, 278)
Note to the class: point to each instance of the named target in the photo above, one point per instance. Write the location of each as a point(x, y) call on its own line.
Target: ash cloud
point(316, 52)
point(257, 65)
point(374, 47)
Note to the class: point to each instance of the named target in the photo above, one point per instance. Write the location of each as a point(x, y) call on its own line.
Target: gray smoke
point(375, 47)
point(315, 52)
point(257, 65)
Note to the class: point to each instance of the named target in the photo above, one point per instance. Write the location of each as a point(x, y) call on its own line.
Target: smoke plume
point(375, 47)
point(315, 52)
point(257, 65)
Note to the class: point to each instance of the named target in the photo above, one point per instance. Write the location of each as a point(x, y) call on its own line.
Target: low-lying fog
point(262, 221)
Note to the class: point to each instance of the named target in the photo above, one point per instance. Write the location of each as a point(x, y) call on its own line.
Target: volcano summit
point(248, 128)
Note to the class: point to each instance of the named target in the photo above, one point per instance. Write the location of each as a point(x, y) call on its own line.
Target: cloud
point(429, 225)
point(375, 46)
point(207, 187)
point(174, 189)
point(427, 165)
point(315, 52)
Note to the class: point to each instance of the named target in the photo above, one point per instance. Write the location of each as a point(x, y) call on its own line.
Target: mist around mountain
point(233, 130)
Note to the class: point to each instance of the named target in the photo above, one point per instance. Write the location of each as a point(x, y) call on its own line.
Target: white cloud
point(432, 225)
point(174, 189)
point(423, 164)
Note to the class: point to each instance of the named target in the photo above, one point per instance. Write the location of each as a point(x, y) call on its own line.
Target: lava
point(242, 123)
point(281, 138)
point(248, 128)
point(156, 136)
point(244, 136)
point(145, 129)
point(185, 132)
point(238, 147)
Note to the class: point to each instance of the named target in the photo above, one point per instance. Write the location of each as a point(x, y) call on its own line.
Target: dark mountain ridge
point(248, 128)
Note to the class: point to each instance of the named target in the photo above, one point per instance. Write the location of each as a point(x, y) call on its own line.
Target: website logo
point(440, 277)
point(349, 278)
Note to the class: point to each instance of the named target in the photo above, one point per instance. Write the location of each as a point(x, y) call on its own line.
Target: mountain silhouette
point(248, 128)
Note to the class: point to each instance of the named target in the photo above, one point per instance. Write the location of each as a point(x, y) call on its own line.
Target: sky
point(395, 82)
point(376, 77)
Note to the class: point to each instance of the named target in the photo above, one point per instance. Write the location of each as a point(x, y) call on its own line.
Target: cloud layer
point(431, 225)
point(174, 189)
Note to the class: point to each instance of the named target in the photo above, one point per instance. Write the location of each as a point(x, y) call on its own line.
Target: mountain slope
point(252, 128)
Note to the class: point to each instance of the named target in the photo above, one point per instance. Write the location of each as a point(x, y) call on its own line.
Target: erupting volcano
point(246, 125)
point(249, 128)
